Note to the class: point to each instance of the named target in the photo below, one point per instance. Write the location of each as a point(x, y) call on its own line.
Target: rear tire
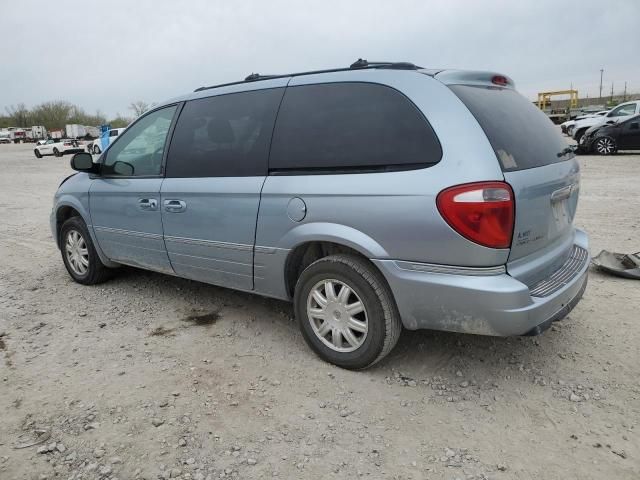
point(37, 153)
point(354, 328)
point(56, 152)
point(79, 255)
point(605, 146)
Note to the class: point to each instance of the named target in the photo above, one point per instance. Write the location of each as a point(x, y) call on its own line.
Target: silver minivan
point(375, 197)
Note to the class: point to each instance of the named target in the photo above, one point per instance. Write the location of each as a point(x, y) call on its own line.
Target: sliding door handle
point(175, 206)
point(148, 204)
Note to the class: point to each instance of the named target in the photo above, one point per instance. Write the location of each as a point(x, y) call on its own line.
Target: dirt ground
point(149, 376)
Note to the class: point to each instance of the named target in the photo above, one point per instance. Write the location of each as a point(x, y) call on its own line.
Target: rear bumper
point(485, 302)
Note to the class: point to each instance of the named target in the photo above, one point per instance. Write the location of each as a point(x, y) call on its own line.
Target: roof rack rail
point(362, 63)
point(358, 64)
point(256, 76)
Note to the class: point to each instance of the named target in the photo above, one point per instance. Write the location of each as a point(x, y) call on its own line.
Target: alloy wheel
point(605, 146)
point(337, 315)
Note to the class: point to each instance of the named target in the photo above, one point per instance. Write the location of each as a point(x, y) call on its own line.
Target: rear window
point(520, 133)
point(335, 127)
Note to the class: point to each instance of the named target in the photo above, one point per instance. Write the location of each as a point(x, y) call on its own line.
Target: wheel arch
point(316, 241)
point(69, 207)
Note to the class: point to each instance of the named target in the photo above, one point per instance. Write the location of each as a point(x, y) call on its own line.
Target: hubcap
point(337, 315)
point(605, 146)
point(77, 252)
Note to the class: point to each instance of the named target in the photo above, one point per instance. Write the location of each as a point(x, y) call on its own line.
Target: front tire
point(605, 146)
point(37, 153)
point(79, 255)
point(346, 311)
point(579, 135)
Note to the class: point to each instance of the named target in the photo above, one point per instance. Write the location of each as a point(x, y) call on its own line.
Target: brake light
point(500, 80)
point(482, 212)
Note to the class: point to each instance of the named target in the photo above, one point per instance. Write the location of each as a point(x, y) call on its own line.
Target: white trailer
point(92, 131)
point(38, 132)
point(75, 131)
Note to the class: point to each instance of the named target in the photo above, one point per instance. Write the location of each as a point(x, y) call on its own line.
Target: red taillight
point(499, 80)
point(482, 212)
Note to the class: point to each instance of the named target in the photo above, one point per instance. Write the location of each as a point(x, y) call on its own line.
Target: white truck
point(95, 147)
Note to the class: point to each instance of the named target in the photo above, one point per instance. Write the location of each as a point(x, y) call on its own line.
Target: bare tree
point(54, 114)
point(19, 115)
point(139, 107)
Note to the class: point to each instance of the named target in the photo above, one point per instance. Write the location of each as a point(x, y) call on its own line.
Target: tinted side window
point(347, 126)
point(224, 136)
point(139, 150)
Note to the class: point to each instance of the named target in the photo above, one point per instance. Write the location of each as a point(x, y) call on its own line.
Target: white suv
point(618, 114)
point(95, 147)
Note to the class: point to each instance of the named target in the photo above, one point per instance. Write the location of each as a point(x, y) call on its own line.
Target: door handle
point(148, 204)
point(175, 206)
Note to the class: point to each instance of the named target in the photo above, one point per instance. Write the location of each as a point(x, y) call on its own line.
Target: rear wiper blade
point(565, 151)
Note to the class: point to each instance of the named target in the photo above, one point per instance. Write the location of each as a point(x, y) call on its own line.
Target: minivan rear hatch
point(541, 170)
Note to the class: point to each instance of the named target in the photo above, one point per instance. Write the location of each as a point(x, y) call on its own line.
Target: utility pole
point(624, 98)
point(611, 99)
point(601, 70)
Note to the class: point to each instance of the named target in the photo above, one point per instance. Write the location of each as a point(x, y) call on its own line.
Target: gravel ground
point(149, 376)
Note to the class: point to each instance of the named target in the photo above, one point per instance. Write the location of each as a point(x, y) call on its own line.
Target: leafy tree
point(119, 121)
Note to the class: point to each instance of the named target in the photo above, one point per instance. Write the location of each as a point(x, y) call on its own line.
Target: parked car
point(95, 147)
point(565, 126)
point(374, 197)
point(57, 148)
point(609, 138)
point(617, 114)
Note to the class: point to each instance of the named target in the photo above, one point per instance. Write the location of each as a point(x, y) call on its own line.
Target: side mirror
point(83, 162)
point(611, 122)
point(122, 168)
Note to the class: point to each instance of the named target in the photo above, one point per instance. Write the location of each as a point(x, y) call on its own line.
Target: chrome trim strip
point(450, 269)
point(130, 233)
point(209, 243)
point(269, 250)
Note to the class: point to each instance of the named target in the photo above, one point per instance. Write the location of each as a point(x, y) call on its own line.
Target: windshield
point(521, 134)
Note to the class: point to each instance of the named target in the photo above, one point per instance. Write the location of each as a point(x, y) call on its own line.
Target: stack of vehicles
point(23, 135)
point(620, 113)
point(607, 139)
point(565, 126)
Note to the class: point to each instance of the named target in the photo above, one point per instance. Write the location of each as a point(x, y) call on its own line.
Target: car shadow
point(418, 354)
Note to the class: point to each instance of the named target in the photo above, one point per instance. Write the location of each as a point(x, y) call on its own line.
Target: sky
point(105, 55)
